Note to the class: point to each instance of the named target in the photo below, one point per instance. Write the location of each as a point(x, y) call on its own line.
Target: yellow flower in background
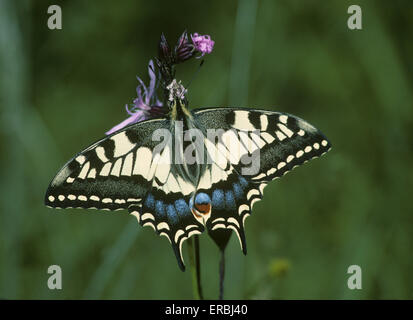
point(279, 267)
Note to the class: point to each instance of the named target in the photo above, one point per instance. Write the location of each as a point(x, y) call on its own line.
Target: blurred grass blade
point(238, 88)
point(14, 78)
point(241, 52)
point(115, 255)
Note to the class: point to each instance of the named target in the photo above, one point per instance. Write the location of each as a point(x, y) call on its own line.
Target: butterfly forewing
point(110, 174)
point(283, 141)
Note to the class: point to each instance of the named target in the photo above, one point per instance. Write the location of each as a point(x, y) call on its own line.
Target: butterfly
point(128, 170)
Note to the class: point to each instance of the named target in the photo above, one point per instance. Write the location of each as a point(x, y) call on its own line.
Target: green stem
point(194, 262)
point(221, 275)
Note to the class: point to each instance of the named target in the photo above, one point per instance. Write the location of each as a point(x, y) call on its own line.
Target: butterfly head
point(178, 104)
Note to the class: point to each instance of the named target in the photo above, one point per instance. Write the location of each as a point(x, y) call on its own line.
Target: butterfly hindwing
point(232, 197)
point(167, 211)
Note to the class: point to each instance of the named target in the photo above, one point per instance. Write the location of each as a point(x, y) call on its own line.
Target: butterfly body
point(179, 198)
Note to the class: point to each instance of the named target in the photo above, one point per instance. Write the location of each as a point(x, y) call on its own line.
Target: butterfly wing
point(123, 171)
point(272, 143)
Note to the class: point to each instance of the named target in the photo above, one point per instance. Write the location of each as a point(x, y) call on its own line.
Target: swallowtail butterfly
point(124, 170)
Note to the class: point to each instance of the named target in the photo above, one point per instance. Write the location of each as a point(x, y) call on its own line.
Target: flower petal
point(146, 105)
point(134, 118)
point(151, 71)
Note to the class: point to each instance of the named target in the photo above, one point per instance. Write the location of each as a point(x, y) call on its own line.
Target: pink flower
point(203, 44)
point(147, 105)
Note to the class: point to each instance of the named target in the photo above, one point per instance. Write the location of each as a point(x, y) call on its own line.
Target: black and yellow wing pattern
point(247, 148)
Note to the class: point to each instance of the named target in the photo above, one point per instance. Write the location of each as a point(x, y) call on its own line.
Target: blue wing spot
point(202, 203)
point(243, 181)
point(238, 191)
point(202, 198)
point(182, 207)
point(160, 208)
point(218, 199)
point(150, 202)
point(171, 212)
point(229, 200)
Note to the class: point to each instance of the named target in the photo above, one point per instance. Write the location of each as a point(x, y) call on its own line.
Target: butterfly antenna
point(193, 77)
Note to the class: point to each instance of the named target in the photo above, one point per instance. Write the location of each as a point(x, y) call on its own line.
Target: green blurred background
point(62, 89)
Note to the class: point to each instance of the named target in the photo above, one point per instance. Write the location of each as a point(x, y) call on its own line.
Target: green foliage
point(62, 89)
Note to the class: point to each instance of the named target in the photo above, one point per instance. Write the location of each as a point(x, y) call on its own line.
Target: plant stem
point(221, 275)
point(194, 262)
point(198, 266)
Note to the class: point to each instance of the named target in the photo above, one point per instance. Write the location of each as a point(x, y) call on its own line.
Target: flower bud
point(184, 49)
point(164, 49)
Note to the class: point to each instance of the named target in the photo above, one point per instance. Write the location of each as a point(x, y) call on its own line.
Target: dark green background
point(62, 89)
